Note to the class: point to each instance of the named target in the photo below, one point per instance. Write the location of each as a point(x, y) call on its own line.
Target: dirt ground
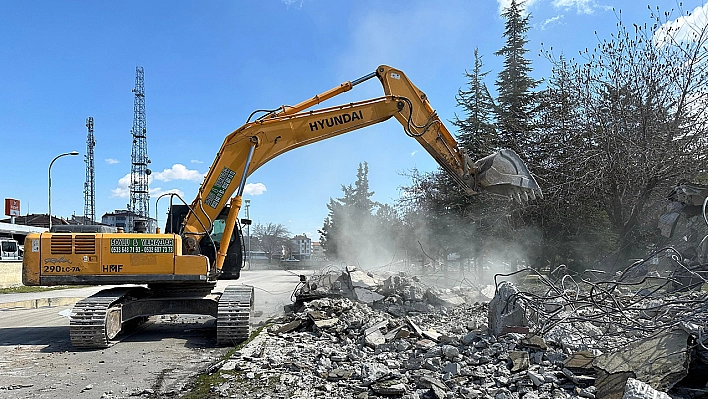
point(159, 359)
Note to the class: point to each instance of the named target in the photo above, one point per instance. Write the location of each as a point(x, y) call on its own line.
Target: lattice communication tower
point(90, 184)
point(139, 172)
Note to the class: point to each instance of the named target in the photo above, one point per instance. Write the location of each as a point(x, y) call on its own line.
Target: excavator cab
point(209, 245)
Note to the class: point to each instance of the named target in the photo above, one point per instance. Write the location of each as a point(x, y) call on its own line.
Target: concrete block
point(10, 274)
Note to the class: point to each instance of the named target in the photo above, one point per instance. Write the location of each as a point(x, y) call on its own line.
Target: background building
point(318, 251)
point(301, 247)
point(126, 219)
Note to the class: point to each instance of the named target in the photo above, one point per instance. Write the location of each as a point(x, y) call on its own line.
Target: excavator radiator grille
point(85, 244)
point(81, 245)
point(61, 244)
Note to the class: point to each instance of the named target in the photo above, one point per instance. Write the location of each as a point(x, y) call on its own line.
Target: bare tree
point(271, 237)
point(637, 104)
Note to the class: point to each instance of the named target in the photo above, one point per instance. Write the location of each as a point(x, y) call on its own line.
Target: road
point(156, 360)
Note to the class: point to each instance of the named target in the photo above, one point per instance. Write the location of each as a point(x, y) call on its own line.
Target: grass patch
point(240, 346)
point(202, 386)
point(201, 389)
point(23, 289)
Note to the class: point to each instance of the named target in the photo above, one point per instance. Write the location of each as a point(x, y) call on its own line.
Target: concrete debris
point(661, 361)
point(636, 389)
point(401, 294)
point(366, 295)
point(360, 279)
point(535, 342)
point(14, 386)
point(519, 361)
point(505, 310)
point(580, 361)
point(365, 354)
point(363, 335)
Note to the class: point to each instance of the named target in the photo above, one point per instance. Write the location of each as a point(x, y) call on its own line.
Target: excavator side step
point(233, 323)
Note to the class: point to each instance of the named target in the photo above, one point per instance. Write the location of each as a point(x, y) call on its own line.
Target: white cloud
point(158, 191)
point(581, 6)
point(550, 21)
point(683, 28)
point(254, 188)
point(112, 161)
point(178, 172)
point(123, 190)
point(295, 3)
point(413, 153)
point(196, 161)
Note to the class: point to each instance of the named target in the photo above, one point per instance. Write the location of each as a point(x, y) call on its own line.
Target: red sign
point(12, 207)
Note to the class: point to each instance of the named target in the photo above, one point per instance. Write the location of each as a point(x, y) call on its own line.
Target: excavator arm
point(255, 143)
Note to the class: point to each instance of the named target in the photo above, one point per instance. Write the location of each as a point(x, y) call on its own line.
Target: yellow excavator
point(175, 272)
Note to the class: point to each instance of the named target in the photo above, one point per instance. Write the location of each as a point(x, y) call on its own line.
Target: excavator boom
point(255, 143)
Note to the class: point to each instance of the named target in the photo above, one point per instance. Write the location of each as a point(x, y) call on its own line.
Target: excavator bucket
point(504, 173)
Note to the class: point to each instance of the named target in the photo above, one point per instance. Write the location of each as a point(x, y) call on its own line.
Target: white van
point(9, 249)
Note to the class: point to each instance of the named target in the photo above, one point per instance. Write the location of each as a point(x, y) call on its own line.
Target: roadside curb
point(40, 303)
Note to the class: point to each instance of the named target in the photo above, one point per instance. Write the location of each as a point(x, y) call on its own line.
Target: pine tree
point(515, 102)
point(346, 228)
point(362, 195)
point(477, 134)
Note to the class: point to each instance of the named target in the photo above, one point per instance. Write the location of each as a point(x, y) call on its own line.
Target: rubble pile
point(400, 292)
point(636, 325)
point(335, 347)
point(360, 335)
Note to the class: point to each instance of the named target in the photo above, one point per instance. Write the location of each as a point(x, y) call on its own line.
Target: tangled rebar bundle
point(583, 311)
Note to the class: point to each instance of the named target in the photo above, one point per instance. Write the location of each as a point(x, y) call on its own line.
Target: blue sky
point(208, 65)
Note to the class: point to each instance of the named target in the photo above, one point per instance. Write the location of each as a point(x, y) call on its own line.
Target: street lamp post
point(50, 182)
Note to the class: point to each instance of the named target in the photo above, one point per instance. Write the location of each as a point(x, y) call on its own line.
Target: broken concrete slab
point(660, 361)
point(418, 331)
point(580, 362)
point(536, 378)
point(535, 342)
point(358, 278)
point(293, 325)
point(519, 361)
point(636, 389)
point(445, 298)
point(376, 326)
point(505, 309)
point(372, 372)
point(393, 387)
point(374, 339)
point(366, 295)
point(326, 323)
point(667, 224)
point(432, 334)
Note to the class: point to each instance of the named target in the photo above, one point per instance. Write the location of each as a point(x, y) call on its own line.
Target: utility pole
point(90, 184)
point(139, 172)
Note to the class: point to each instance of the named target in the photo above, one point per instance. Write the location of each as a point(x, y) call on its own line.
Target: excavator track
point(94, 321)
point(233, 323)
